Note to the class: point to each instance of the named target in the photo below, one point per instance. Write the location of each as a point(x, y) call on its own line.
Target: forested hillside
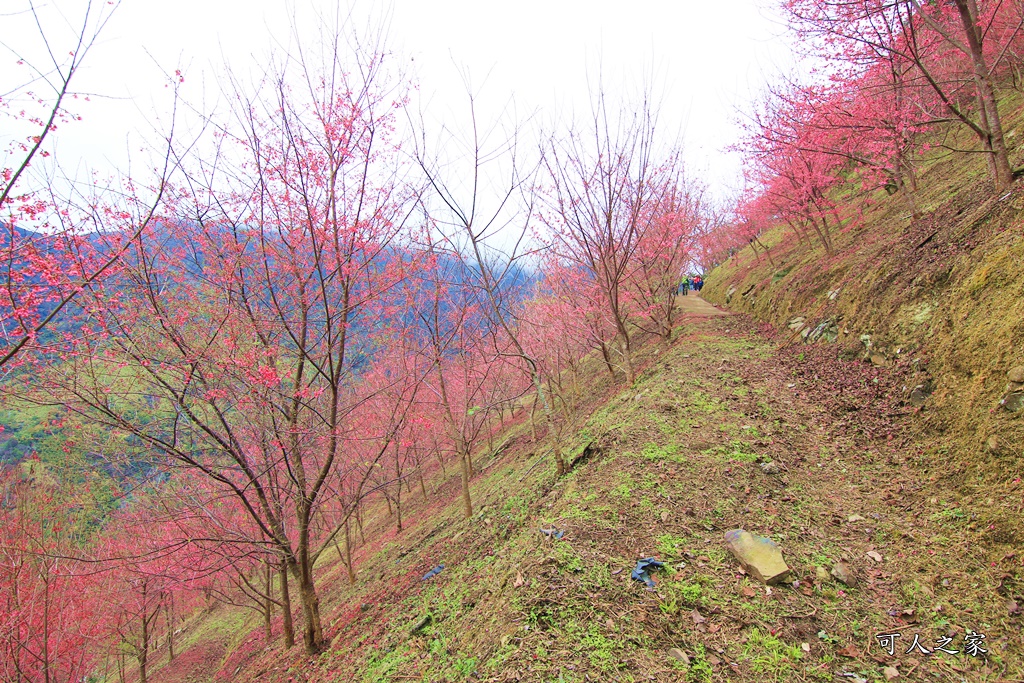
point(339, 393)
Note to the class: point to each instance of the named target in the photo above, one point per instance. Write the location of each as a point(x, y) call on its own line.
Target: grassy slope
point(676, 467)
point(941, 298)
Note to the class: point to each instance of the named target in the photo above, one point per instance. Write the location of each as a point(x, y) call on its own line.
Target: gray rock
point(676, 653)
point(844, 574)
point(827, 330)
point(820, 575)
point(855, 518)
point(769, 468)
point(796, 323)
point(1013, 401)
point(992, 444)
point(729, 293)
point(760, 556)
point(1016, 374)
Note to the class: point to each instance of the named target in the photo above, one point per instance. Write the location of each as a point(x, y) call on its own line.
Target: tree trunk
point(348, 553)
point(467, 501)
point(533, 422)
point(286, 605)
point(312, 630)
point(607, 360)
point(169, 615)
point(268, 605)
point(359, 522)
point(398, 489)
point(627, 352)
point(994, 142)
point(143, 653)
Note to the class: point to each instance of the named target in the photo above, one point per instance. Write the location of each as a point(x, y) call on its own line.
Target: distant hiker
point(698, 283)
point(684, 286)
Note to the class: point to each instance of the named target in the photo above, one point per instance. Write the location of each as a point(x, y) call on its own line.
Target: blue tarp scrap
point(553, 533)
point(643, 568)
point(433, 572)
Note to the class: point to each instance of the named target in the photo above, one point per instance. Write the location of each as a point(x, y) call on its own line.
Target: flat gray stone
point(759, 555)
point(676, 653)
point(1016, 374)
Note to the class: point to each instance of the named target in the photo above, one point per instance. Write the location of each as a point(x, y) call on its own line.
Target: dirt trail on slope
point(693, 304)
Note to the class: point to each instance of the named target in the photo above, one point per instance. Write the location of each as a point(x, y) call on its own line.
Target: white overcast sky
point(707, 58)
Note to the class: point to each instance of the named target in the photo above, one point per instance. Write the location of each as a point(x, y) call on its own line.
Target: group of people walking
point(695, 282)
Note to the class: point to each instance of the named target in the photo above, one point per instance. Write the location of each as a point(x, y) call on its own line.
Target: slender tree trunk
point(533, 422)
point(348, 553)
point(467, 501)
point(359, 522)
point(302, 569)
point(627, 353)
point(440, 460)
point(607, 360)
point(46, 627)
point(994, 142)
point(169, 615)
point(423, 486)
point(337, 548)
point(143, 653)
point(398, 489)
point(312, 631)
point(286, 605)
point(767, 253)
point(268, 605)
point(398, 508)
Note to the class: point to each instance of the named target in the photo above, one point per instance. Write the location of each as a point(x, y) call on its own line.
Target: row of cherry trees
point(309, 314)
point(892, 75)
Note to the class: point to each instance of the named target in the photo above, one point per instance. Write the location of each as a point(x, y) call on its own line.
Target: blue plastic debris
point(642, 570)
point(553, 533)
point(433, 572)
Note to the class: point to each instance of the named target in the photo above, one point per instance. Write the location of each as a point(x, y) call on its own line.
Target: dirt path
point(693, 304)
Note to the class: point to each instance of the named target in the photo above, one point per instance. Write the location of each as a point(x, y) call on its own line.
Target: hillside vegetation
point(726, 427)
point(333, 397)
point(937, 297)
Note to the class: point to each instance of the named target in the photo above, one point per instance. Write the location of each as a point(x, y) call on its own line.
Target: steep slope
point(667, 466)
point(938, 296)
